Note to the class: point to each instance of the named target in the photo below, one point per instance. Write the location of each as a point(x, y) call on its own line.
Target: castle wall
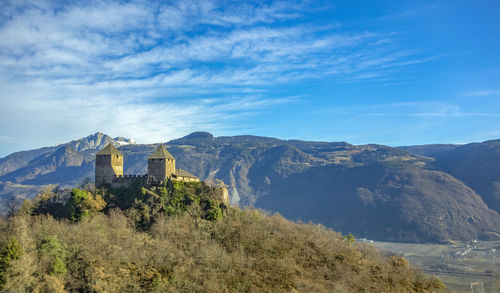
point(186, 179)
point(170, 167)
point(160, 169)
point(126, 180)
point(107, 167)
point(157, 170)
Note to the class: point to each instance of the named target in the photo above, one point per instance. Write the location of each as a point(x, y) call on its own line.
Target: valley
point(471, 266)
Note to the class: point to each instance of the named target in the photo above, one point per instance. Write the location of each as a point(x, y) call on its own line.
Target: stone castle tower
point(108, 165)
point(161, 166)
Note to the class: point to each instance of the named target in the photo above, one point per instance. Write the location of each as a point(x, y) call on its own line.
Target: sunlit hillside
point(181, 239)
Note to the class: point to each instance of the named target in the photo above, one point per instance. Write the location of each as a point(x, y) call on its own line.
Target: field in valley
point(463, 266)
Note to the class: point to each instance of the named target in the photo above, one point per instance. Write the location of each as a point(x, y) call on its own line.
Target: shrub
point(349, 239)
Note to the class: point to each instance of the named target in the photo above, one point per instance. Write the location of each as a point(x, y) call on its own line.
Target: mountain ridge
point(476, 164)
point(268, 173)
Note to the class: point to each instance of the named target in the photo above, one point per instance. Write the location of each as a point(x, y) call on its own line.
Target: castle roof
point(183, 173)
point(161, 153)
point(109, 150)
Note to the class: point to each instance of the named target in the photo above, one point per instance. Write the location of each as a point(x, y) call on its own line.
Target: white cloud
point(121, 67)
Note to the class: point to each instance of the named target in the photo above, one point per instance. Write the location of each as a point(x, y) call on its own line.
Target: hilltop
point(179, 238)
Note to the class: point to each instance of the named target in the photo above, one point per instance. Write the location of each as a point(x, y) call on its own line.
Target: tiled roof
point(161, 153)
point(109, 150)
point(183, 173)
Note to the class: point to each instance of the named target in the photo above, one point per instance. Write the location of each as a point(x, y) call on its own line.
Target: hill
point(386, 201)
point(183, 250)
point(343, 186)
point(476, 164)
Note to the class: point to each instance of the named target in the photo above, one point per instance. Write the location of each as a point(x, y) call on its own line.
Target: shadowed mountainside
point(386, 201)
point(476, 164)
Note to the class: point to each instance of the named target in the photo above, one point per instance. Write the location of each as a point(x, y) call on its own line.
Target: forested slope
point(181, 238)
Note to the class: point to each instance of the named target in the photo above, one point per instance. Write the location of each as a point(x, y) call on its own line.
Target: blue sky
point(387, 72)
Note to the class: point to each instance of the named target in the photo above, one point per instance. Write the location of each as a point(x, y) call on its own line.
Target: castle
point(161, 168)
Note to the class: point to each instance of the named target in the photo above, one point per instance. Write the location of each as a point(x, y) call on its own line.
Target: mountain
point(385, 201)
point(64, 165)
point(92, 142)
point(476, 164)
point(88, 145)
point(373, 191)
point(14, 161)
point(124, 141)
point(429, 150)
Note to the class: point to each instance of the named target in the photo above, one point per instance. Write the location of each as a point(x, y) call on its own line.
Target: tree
point(214, 189)
point(52, 253)
point(13, 251)
point(11, 205)
point(83, 203)
point(52, 202)
point(349, 239)
point(212, 209)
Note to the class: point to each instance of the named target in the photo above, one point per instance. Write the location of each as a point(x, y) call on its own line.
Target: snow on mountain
point(124, 141)
point(95, 141)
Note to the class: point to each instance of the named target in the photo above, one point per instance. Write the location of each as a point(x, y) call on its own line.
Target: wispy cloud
point(482, 93)
point(110, 40)
point(422, 110)
point(410, 12)
point(122, 66)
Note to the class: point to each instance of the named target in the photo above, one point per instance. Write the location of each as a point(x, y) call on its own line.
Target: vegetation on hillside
point(339, 185)
point(182, 238)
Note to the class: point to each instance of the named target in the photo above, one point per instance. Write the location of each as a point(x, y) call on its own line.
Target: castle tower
point(108, 164)
point(161, 166)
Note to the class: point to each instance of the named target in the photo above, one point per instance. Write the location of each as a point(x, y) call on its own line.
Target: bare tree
point(87, 184)
point(11, 205)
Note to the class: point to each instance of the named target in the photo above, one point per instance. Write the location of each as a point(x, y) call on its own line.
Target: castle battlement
point(161, 168)
point(130, 176)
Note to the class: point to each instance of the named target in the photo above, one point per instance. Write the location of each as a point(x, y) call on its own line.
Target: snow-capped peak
point(124, 141)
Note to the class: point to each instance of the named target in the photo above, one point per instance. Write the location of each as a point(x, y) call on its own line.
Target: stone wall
point(107, 167)
point(126, 180)
point(160, 169)
point(186, 179)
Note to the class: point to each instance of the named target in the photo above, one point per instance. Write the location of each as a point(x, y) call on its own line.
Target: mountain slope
point(22, 166)
point(386, 201)
point(338, 184)
point(429, 150)
point(65, 165)
point(17, 160)
point(476, 164)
